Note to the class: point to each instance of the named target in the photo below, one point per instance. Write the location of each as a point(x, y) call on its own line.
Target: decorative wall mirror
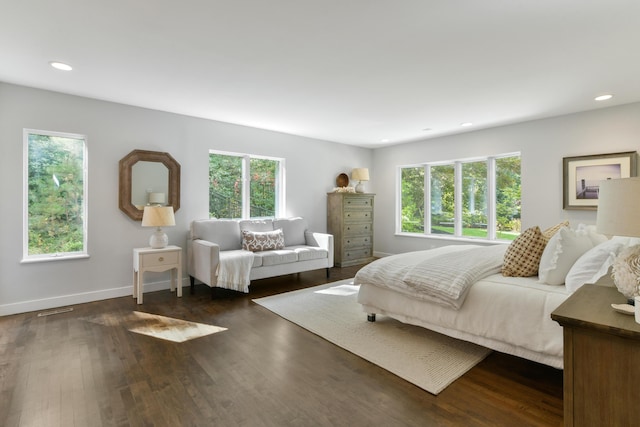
point(148, 177)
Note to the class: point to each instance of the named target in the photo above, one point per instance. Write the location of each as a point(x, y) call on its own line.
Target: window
point(55, 190)
point(231, 197)
point(478, 198)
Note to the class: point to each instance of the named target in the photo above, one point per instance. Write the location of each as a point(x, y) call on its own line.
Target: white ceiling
point(351, 71)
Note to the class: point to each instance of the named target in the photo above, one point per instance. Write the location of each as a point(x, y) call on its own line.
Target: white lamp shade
point(158, 216)
point(619, 207)
point(156, 198)
point(360, 174)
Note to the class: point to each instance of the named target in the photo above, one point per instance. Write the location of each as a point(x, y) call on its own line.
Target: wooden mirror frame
point(126, 166)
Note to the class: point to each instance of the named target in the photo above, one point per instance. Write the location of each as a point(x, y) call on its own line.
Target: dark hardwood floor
point(62, 370)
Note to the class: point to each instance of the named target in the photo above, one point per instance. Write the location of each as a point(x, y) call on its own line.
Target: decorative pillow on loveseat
point(255, 241)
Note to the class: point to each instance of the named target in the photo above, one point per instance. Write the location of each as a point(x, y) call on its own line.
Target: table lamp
point(360, 175)
point(158, 216)
point(619, 215)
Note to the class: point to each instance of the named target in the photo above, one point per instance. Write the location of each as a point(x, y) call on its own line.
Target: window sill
point(53, 257)
point(454, 238)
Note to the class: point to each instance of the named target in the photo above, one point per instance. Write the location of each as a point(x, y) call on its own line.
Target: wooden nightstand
point(601, 359)
point(149, 259)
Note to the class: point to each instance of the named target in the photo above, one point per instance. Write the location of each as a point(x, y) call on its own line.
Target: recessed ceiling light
point(61, 66)
point(384, 140)
point(465, 124)
point(603, 97)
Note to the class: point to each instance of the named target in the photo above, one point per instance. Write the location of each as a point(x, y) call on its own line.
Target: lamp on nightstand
point(619, 215)
point(360, 175)
point(158, 216)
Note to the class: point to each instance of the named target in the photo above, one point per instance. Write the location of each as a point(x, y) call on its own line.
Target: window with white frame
point(245, 186)
point(473, 198)
point(55, 194)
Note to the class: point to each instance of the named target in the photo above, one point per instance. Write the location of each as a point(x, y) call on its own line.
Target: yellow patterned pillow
point(549, 232)
point(522, 257)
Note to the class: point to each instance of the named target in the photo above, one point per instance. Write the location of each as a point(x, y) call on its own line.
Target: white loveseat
point(227, 253)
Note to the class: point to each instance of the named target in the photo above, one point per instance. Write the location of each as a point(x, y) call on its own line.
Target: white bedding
point(507, 314)
point(443, 278)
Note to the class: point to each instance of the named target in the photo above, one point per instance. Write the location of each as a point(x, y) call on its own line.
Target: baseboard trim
point(80, 298)
point(380, 254)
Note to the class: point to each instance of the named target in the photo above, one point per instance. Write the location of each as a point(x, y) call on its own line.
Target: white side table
point(149, 259)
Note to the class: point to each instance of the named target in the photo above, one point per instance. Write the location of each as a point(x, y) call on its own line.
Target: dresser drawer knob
point(161, 259)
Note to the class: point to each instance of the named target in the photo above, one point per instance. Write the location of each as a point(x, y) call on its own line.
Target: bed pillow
point(561, 252)
point(594, 266)
point(551, 231)
point(522, 257)
point(262, 240)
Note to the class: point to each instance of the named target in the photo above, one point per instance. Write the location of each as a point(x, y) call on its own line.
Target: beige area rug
point(427, 359)
point(154, 325)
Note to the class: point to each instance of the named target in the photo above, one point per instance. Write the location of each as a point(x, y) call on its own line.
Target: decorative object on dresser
point(158, 260)
point(618, 215)
point(342, 180)
point(361, 175)
point(158, 216)
point(350, 221)
point(601, 353)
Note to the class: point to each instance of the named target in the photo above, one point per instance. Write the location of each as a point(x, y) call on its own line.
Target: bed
point(507, 314)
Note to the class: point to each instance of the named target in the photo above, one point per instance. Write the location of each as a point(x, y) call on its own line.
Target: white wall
point(114, 130)
point(542, 143)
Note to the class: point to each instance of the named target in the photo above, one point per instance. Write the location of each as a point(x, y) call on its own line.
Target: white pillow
point(595, 237)
point(562, 251)
point(593, 267)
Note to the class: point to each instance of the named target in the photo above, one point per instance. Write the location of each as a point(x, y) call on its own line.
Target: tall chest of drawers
point(350, 220)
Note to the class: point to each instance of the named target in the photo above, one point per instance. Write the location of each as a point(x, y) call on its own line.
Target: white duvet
point(443, 275)
point(507, 314)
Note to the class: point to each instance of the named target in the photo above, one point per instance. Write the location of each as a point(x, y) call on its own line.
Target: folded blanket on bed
point(446, 279)
point(442, 275)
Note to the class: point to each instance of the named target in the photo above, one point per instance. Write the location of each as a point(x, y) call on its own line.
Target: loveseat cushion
point(306, 253)
point(276, 257)
point(223, 232)
point(293, 229)
point(256, 225)
point(262, 240)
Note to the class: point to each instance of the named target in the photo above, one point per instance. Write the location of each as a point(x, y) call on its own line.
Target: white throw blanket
point(443, 276)
point(234, 270)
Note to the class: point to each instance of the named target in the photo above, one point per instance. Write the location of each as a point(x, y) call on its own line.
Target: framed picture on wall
point(582, 176)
